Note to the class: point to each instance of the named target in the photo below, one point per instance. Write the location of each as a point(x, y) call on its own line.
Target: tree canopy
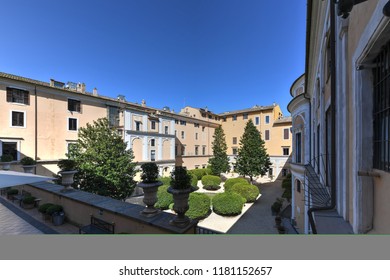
point(219, 163)
point(252, 158)
point(104, 164)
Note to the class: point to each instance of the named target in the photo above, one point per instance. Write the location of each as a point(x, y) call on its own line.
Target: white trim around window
point(24, 119)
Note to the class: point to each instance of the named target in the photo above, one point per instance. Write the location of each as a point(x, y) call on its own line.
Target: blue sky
point(223, 54)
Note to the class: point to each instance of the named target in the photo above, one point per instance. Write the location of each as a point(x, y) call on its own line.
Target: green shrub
point(232, 181)
point(286, 185)
point(199, 173)
point(55, 208)
point(165, 180)
point(246, 190)
point(6, 158)
point(12, 192)
point(199, 204)
point(29, 199)
point(211, 180)
point(27, 161)
point(194, 180)
point(43, 208)
point(163, 198)
point(211, 188)
point(228, 204)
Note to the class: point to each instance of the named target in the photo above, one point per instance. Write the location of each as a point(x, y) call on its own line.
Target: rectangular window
point(298, 151)
point(245, 116)
point(204, 150)
point(196, 136)
point(138, 126)
point(152, 155)
point(183, 123)
point(234, 151)
point(257, 121)
point(267, 119)
point(175, 150)
point(153, 124)
point(286, 151)
point(113, 116)
point(381, 112)
point(71, 146)
point(182, 135)
point(267, 134)
point(15, 95)
point(234, 117)
point(234, 140)
point(286, 133)
point(166, 129)
point(17, 119)
point(176, 122)
point(196, 125)
point(74, 105)
point(152, 142)
point(72, 124)
point(196, 150)
point(183, 150)
point(10, 148)
point(270, 172)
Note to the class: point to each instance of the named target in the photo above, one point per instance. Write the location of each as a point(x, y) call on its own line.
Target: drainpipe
point(333, 118)
point(36, 127)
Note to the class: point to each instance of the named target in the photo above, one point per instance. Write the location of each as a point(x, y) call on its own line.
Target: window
point(74, 105)
point(137, 126)
point(234, 151)
point(196, 150)
point(298, 186)
point(245, 116)
point(183, 123)
point(152, 143)
point(15, 95)
point(234, 117)
point(204, 150)
point(17, 119)
point(166, 129)
point(176, 122)
point(182, 135)
point(298, 156)
point(382, 110)
point(196, 125)
point(257, 121)
point(284, 172)
point(202, 128)
point(183, 150)
point(286, 151)
point(224, 119)
point(153, 155)
point(153, 124)
point(267, 134)
point(196, 136)
point(71, 146)
point(72, 124)
point(10, 148)
point(234, 140)
point(270, 172)
point(175, 150)
point(266, 119)
point(113, 116)
point(286, 133)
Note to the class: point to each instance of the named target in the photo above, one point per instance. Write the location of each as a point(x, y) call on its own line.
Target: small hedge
point(194, 180)
point(200, 172)
point(232, 181)
point(12, 192)
point(199, 204)
point(29, 200)
point(247, 191)
point(211, 182)
point(163, 198)
point(43, 208)
point(55, 208)
point(228, 204)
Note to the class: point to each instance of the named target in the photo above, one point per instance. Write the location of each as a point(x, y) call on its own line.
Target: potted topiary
point(28, 202)
point(67, 172)
point(28, 164)
point(57, 214)
point(180, 189)
point(11, 193)
point(6, 161)
point(43, 209)
point(150, 186)
point(277, 206)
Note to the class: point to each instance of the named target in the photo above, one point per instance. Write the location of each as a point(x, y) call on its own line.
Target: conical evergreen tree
point(219, 163)
point(252, 158)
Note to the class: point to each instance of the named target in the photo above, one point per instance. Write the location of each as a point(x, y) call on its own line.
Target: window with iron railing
point(382, 110)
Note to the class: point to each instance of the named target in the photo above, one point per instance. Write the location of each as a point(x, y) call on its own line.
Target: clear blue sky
point(224, 54)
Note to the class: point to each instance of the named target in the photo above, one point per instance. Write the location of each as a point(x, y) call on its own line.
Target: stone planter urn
point(28, 164)
point(150, 197)
point(29, 168)
point(149, 186)
point(5, 161)
point(67, 179)
point(180, 206)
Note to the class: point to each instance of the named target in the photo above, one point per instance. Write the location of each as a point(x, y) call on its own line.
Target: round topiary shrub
point(228, 204)
point(43, 208)
point(194, 179)
point(211, 182)
point(246, 190)
point(232, 181)
point(163, 198)
point(29, 200)
point(199, 204)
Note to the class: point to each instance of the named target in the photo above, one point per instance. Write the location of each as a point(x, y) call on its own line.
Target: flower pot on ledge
point(150, 197)
point(67, 179)
point(29, 168)
point(180, 206)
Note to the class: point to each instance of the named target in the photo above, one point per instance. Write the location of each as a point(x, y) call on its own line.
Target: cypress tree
point(219, 163)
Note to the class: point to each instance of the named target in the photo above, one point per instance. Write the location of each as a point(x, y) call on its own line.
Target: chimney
point(95, 92)
point(52, 82)
point(81, 87)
